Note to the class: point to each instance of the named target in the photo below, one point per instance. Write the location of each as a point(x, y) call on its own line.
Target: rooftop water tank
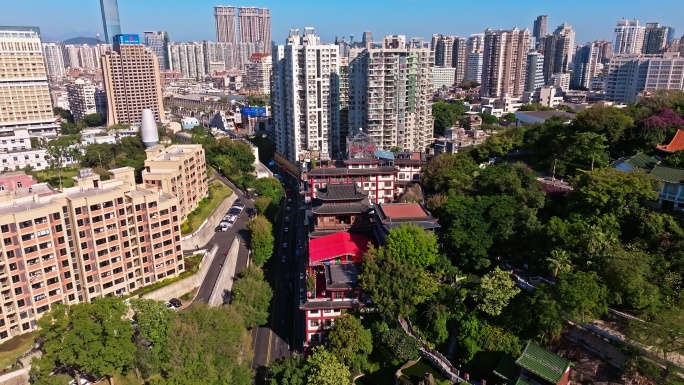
point(148, 128)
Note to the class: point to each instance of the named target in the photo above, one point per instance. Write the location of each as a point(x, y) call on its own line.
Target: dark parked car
point(175, 302)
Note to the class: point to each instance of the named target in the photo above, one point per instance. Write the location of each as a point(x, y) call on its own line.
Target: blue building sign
point(254, 111)
point(127, 39)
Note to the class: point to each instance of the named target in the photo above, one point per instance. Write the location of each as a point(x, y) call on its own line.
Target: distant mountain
point(81, 40)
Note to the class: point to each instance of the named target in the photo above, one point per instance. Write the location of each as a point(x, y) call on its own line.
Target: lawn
point(217, 192)
point(52, 177)
point(14, 348)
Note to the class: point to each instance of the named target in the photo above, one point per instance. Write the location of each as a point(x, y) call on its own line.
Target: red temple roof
point(337, 245)
point(676, 144)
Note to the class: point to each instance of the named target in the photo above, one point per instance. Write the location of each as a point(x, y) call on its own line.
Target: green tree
point(559, 262)
point(261, 204)
point(489, 119)
point(413, 244)
point(676, 159)
point(392, 346)
point(447, 171)
point(609, 191)
point(611, 122)
point(475, 335)
point(628, 275)
point(495, 290)
point(326, 369)
point(154, 322)
point(209, 345)
point(252, 296)
point(257, 100)
point(93, 120)
point(261, 239)
point(269, 188)
point(350, 342)
point(88, 338)
point(64, 114)
point(510, 117)
point(663, 331)
point(582, 295)
point(288, 371)
point(66, 128)
point(445, 115)
point(395, 285)
point(547, 315)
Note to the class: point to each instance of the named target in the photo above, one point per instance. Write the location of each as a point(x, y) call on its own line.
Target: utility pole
point(553, 171)
point(592, 163)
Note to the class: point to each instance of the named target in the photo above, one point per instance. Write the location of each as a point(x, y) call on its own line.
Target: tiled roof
point(353, 171)
point(520, 381)
point(341, 191)
point(641, 160)
point(314, 305)
point(341, 208)
point(543, 363)
point(667, 174)
point(676, 144)
point(507, 369)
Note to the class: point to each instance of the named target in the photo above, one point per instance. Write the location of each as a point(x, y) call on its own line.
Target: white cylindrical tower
point(148, 129)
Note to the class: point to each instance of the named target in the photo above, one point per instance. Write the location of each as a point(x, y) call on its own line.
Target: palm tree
point(558, 262)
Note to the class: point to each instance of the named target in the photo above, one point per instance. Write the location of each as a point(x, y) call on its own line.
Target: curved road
point(274, 340)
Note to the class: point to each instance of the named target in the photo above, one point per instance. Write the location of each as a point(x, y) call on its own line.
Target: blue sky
point(188, 20)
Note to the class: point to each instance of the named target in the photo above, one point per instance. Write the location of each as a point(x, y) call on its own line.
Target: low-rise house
point(390, 215)
point(340, 207)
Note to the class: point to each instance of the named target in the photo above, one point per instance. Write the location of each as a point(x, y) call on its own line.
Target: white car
point(284, 245)
point(286, 229)
point(287, 208)
point(282, 258)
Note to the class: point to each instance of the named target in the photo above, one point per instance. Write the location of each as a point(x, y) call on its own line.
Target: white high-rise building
point(86, 98)
point(534, 78)
point(628, 37)
point(25, 102)
point(255, 26)
point(629, 75)
point(189, 59)
point(54, 60)
point(475, 48)
point(443, 47)
point(505, 62)
point(390, 93)
point(82, 56)
point(305, 97)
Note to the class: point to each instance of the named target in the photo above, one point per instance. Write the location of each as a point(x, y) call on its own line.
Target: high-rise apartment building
point(475, 49)
point(179, 170)
point(226, 24)
point(82, 56)
point(390, 93)
point(443, 47)
point(539, 27)
point(586, 64)
point(131, 77)
point(459, 59)
point(158, 42)
point(98, 238)
point(110, 19)
point(628, 37)
point(189, 59)
point(655, 39)
point(54, 60)
point(629, 75)
point(258, 73)
point(227, 56)
point(25, 102)
point(504, 62)
point(86, 98)
point(558, 50)
point(534, 78)
point(305, 97)
point(255, 26)
point(367, 39)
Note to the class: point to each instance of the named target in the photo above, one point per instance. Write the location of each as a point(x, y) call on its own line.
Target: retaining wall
point(186, 285)
point(206, 231)
point(224, 283)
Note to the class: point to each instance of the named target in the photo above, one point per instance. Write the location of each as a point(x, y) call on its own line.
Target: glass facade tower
point(110, 19)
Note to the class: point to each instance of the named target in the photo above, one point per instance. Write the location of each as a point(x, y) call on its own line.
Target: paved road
point(278, 337)
point(224, 240)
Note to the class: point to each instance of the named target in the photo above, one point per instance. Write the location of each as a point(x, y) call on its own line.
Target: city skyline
point(399, 18)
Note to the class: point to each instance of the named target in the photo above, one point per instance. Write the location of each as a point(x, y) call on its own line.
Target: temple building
point(340, 207)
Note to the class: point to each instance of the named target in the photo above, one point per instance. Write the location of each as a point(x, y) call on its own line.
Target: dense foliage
point(260, 239)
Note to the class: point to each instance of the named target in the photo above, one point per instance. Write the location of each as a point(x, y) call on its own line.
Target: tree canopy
point(496, 289)
point(252, 295)
point(349, 341)
point(261, 239)
point(413, 244)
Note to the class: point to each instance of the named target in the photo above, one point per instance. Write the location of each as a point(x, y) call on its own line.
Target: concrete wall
point(186, 285)
point(202, 235)
point(224, 283)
